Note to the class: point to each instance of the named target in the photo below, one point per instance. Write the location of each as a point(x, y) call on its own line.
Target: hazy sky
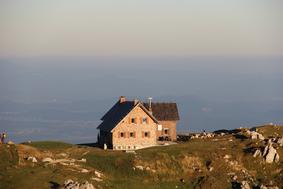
point(141, 27)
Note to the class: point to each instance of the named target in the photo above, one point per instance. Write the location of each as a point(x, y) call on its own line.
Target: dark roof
point(164, 111)
point(115, 115)
point(118, 112)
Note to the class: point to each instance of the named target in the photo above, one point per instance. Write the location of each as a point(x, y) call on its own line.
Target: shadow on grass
point(54, 185)
point(90, 145)
point(240, 136)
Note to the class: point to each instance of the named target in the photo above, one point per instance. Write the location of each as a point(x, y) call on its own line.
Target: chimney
point(149, 104)
point(122, 99)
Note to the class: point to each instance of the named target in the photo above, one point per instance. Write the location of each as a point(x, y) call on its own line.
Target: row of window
point(143, 120)
point(144, 134)
point(124, 147)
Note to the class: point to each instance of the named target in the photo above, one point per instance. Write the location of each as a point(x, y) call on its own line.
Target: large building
point(130, 125)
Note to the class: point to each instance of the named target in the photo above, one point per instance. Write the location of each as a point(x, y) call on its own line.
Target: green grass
point(50, 145)
point(168, 161)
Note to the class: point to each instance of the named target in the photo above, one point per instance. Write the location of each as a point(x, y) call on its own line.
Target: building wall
point(171, 125)
point(138, 128)
point(105, 138)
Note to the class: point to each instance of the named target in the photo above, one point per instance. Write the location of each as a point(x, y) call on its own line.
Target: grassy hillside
point(198, 163)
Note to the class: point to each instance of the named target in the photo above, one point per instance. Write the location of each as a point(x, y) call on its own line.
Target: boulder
point(255, 135)
point(82, 160)
point(280, 141)
point(276, 158)
point(257, 153)
point(32, 159)
point(270, 154)
point(268, 187)
point(98, 174)
point(10, 142)
point(86, 185)
point(84, 171)
point(47, 160)
point(139, 167)
point(70, 184)
point(245, 185)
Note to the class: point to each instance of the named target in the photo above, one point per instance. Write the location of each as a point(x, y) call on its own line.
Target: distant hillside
point(223, 160)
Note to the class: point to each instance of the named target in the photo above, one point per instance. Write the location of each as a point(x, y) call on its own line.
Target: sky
point(141, 28)
point(63, 63)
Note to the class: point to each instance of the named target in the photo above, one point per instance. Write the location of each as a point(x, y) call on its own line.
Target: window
point(166, 131)
point(146, 134)
point(144, 120)
point(133, 120)
point(122, 135)
point(132, 134)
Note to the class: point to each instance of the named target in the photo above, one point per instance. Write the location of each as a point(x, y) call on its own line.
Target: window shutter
point(148, 134)
point(134, 134)
point(142, 134)
point(141, 120)
point(119, 134)
point(128, 134)
point(136, 120)
point(147, 120)
point(129, 120)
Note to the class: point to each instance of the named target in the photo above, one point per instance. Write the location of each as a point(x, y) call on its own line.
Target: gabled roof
point(164, 111)
point(118, 112)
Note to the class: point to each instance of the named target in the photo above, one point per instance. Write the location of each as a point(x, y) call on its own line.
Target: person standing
point(1, 138)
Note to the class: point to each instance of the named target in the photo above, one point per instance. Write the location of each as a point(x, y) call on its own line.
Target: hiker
point(3, 136)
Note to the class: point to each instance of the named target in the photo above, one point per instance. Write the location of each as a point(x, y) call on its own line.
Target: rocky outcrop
point(270, 154)
point(255, 135)
point(70, 184)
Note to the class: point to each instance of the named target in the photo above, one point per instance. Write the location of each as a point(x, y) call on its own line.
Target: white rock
point(32, 159)
point(82, 160)
point(280, 141)
point(86, 185)
point(10, 142)
point(227, 156)
point(96, 179)
point(139, 167)
point(48, 160)
point(245, 185)
point(63, 154)
point(98, 174)
point(276, 158)
point(255, 135)
point(70, 184)
point(270, 154)
point(257, 153)
point(84, 171)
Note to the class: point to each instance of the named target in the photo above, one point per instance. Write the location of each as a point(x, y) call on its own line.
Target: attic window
point(144, 120)
point(133, 120)
point(122, 135)
point(132, 135)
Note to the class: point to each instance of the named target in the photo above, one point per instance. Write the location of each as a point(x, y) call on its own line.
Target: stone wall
point(171, 126)
point(138, 129)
